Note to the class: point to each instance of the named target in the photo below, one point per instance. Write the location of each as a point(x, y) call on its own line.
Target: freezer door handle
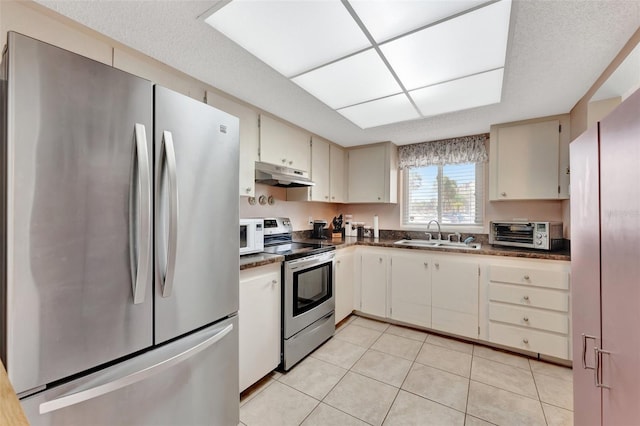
point(168, 155)
point(140, 188)
point(76, 397)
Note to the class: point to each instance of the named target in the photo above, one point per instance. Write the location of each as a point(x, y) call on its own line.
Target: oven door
point(308, 291)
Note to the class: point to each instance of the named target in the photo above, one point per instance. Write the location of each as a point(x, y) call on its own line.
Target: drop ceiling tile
point(290, 36)
point(387, 19)
point(352, 80)
point(468, 44)
point(381, 111)
point(469, 92)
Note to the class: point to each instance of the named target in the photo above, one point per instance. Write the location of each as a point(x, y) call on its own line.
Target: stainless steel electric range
point(308, 318)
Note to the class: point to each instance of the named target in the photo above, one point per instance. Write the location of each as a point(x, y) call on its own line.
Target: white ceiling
point(556, 51)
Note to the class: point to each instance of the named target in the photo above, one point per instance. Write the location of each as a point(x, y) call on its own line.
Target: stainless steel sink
point(438, 244)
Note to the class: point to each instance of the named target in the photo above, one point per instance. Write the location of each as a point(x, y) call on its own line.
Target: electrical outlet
point(310, 220)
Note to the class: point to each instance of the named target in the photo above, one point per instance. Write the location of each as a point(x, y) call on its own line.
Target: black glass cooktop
point(294, 250)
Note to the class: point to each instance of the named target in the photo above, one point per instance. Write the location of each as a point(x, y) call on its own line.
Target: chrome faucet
point(456, 235)
point(437, 223)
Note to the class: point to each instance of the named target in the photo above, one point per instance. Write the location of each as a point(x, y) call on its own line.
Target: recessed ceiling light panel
point(352, 80)
point(387, 19)
point(381, 111)
point(291, 36)
point(468, 44)
point(469, 92)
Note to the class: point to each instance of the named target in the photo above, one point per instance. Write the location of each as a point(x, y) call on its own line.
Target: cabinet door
point(620, 266)
point(526, 161)
point(283, 145)
point(373, 292)
point(344, 283)
point(320, 169)
point(336, 174)
point(249, 139)
point(367, 174)
point(259, 323)
point(411, 288)
point(585, 274)
point(454, 296)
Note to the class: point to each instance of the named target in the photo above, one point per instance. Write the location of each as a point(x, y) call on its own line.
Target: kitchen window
point(443, 180)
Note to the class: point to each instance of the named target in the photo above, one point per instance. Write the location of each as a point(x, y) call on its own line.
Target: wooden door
point(585, 274)
point(620, 262)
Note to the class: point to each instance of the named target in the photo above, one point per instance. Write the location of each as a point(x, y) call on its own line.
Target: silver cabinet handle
point(525, 319)
point(379, 260)
point(597, 371)
point(338, 261)
point(426, 264)
point(145, 373)
point(274, 282)
point(140, 235)
point(504, 194)
point(525, 341)
point(168, 154)
point(437, 265)
point(247, 190)
point(526, 298)
point(284, 160)
point(584, 351)
point(526, 277)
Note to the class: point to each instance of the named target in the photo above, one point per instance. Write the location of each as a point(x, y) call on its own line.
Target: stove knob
point(539, 235)
point(539, 243)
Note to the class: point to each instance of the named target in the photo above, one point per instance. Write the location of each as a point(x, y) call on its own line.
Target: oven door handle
point(304, 262)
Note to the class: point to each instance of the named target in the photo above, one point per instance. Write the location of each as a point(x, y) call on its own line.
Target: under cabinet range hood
point(286, 177)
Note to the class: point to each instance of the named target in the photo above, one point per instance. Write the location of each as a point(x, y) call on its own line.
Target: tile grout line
point(466, 406)
point(535, 383)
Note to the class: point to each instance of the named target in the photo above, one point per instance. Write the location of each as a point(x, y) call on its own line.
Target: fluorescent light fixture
point(378, 62)
point(291, 36)
point(468, 92)
point(356, 79)
point(471, 43)
point(381, 111)
point(387, 19)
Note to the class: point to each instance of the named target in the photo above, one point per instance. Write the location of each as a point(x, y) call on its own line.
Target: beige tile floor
point(373, 373)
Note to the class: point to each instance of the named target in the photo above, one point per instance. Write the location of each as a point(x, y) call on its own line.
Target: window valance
point(467, 149)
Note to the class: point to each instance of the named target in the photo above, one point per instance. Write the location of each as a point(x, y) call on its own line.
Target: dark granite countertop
point(486, 249)
point(260, 259)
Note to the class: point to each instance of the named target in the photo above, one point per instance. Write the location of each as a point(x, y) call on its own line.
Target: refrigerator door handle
point(145, 373)
point(168, 154)
point(140, 266)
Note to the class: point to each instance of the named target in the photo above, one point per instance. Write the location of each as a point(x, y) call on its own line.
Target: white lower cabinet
point(529, 306)
point(373, 282)
point(410, 288)
point(259, 323)
point(517, 303)
point(343, 285)
point(454, 296)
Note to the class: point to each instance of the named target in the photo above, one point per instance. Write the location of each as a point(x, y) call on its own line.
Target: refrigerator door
point(191, 381)
point(78, 194)
point(197, 244)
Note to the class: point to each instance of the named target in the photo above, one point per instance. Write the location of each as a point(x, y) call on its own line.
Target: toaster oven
point(533, 235)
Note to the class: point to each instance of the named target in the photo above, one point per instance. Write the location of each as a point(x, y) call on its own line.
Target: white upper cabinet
point(530, 160)
point(327, 172)
point(284, 145)
point(373, 174)
point(249, 139)
point(337, 184)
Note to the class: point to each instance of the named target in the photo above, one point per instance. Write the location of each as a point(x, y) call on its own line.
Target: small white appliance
point(251, 236)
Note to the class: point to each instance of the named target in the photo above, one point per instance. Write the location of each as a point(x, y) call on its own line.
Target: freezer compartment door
point(190, 381)
point(197, 243)
point(79, 211)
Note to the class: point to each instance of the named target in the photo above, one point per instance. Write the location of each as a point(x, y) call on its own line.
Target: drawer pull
point(525, 341)
point(526, 298)
point(426, 264)
point(526, 277)
point(274, 281)
point(379, 260)
point(525, 319)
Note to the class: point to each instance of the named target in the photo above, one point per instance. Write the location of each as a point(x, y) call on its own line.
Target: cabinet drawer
point(530, 340)
point(529, 296)
point(529, 318)
point(530, 276)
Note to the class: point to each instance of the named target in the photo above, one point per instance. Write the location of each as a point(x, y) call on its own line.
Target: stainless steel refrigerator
point(119, 261)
